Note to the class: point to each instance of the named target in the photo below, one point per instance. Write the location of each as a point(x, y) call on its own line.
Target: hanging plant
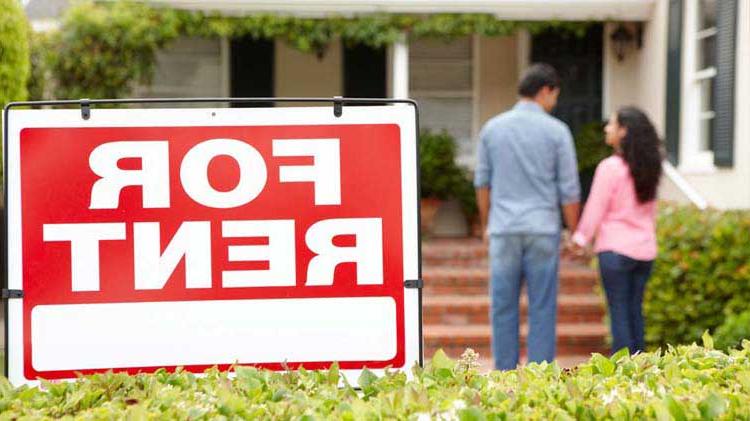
point(103, 49)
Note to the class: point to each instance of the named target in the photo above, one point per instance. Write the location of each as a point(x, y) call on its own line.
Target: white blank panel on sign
point(90, 336)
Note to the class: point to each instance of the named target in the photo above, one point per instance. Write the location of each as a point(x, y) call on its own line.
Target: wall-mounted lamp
point(623, 35)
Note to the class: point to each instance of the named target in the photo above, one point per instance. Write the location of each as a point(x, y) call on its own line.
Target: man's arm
point(482, 178)
point(483, 203)
point(570, 215)
point(568, 186)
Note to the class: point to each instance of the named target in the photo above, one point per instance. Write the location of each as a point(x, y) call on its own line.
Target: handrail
point(689, 191)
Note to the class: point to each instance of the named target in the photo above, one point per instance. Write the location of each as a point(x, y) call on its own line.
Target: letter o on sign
point(194, 173)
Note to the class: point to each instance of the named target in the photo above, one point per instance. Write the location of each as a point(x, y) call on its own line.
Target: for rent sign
point(198, 237)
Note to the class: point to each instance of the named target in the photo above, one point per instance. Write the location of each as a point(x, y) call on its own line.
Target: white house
point(686, 62)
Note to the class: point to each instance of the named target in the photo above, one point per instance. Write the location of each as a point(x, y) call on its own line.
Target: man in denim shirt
point(526, 171)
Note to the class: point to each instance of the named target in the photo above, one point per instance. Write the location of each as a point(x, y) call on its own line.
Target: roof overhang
point(567, 10)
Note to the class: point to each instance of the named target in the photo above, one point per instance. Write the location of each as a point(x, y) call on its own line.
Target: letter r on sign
point(367, 253)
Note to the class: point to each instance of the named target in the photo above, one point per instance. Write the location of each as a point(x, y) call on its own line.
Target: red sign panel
point(191, 230)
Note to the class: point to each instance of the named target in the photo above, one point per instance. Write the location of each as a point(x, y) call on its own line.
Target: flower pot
point(428, 207)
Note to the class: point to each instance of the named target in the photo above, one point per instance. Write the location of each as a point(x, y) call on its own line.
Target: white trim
point(706, 73)
point(706, 33)
point(634, 10)
point(693, 158)
point(707, 115)
point(400, 68)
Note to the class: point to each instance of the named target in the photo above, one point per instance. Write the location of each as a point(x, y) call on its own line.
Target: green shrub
point(103, 49)
point(687, 382)
point(14, 52)
point(40, 54)
point(702, 273)
point(733, 331)
point(440, 176)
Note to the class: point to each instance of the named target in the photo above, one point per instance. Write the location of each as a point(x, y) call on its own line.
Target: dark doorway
point(578, 60)
point(364, 72)
point(579, 63)
point(252, 69)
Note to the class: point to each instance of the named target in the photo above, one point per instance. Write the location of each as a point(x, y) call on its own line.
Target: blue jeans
point(535, 259)
point(624, 281)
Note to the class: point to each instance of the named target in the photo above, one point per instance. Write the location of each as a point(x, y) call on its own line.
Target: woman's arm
point(601, 193)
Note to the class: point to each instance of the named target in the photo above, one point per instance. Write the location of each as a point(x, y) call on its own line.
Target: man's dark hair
point(537, 77)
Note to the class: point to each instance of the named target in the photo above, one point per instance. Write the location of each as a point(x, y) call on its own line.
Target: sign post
point(198, 237)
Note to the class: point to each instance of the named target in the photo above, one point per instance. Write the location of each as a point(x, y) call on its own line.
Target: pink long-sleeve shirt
point(615, 217)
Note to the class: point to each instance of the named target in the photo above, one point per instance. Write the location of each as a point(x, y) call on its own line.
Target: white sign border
point(403, 115)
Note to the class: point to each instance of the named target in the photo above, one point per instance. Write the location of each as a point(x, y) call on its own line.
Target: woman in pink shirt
point(621, 215)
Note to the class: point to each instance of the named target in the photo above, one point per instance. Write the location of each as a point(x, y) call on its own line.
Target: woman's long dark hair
point(641, 150)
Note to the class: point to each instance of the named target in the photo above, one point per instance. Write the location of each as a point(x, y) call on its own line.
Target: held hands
point(574, 250)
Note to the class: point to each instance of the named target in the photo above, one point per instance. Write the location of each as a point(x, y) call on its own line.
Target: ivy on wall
point(103, 49)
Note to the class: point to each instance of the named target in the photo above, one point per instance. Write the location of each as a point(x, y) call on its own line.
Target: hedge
point(701, 275)
point(687, 382)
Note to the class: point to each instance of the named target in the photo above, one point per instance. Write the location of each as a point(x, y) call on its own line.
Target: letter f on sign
point(325, 172)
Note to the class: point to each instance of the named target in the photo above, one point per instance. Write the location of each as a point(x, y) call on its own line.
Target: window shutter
point(723, 131)
point(674, 80)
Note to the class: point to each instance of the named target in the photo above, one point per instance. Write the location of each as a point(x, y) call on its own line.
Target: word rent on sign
point(192, 240)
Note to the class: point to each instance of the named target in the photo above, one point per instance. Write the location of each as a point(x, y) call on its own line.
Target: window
point(705, 70)
point(705, 100)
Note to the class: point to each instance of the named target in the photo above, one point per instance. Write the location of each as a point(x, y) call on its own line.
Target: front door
point(579, 63)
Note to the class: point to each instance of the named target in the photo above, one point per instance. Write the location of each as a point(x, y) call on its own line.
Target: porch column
point(400, 68)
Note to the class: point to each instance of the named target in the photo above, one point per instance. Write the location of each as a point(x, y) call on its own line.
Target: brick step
point(459, 248)
point(572, 339)
point(439, 280)
point(465, 252)
point(475, 263)
point(474, 309)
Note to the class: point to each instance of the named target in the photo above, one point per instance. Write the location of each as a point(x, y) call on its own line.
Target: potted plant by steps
point(442, 179)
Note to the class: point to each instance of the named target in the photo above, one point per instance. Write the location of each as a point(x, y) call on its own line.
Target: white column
point(400, 68)
point(225, 67)
point(523, 60)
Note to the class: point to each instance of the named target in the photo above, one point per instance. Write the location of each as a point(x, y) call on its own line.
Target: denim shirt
point(527, 158)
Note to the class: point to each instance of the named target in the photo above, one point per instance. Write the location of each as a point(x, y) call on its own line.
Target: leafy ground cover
point(686, 382)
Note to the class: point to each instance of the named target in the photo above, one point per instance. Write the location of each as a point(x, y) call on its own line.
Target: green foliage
point(14, 55)
point(701, 275)
point(590, 146)
point(40, 82)
point(104, 48)
point(733, 331)
point(101, 50)
point(687, 382)
point(14, 52)
point(440, 176)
